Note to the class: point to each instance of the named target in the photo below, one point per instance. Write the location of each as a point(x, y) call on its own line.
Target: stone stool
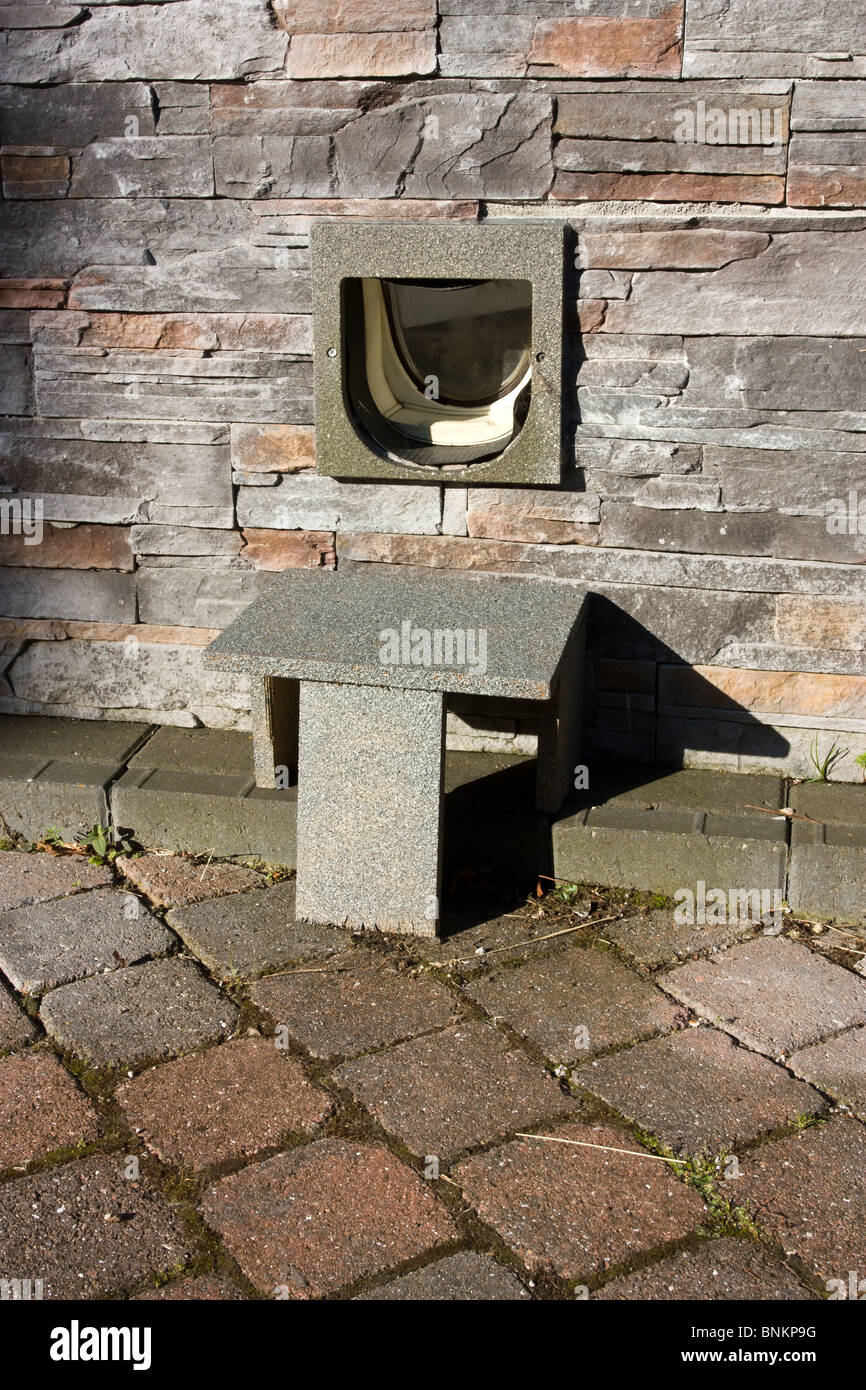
point(349, 672)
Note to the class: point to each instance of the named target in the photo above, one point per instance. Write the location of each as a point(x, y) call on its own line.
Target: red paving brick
point(455, 1089)
point(576, 1211)
point(171, 881)
point(41, 1109)
point(321, 1217)
point(809, 1193)
point(229, 1102)
point(356, 1002)
point(838, 1067)
point(575, 1002)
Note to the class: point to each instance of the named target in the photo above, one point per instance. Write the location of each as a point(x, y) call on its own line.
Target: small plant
point(824, 765)
point(106, 843)
point(53, 838)
point(860, 760)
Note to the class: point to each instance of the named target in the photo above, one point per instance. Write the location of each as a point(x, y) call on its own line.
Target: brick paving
point(774, 995)
point(52, 943)
point(356, 1003)
point(452, 1090)
point(36, 878)
point(228, 1102)
point(697, 1091)
point(577, 1210)
point(324, 1216)
point(169, 880)
point(302, 1164)
point(809, 1193)
point(577, 1002)
point(41, 1109)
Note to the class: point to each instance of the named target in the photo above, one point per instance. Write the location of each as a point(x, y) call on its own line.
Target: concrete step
point(660, 830)
point(827, 876)
point(56, 773)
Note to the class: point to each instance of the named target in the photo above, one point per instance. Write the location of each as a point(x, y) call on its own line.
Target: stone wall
point(161, 163)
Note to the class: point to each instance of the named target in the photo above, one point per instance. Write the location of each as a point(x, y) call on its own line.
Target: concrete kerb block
point(827, 876)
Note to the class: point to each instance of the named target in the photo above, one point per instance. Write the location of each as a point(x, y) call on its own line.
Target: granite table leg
point(370, 806)
point(274, 708)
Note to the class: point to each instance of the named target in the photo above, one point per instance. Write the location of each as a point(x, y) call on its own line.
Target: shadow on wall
point(649, 727)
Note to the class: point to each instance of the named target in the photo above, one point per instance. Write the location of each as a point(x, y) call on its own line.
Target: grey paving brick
point(465, 1277)
point(86, 1230)
point(714, 1270)
point(698, 1091)
point(34, 878)
point(360, 1001)
point(838, 1067)
point(658, 940)
point(51, 943)
point(16, 1028)
point(139, 1014)
point(452, 1090)
point(246, 934)
point(575, 1002)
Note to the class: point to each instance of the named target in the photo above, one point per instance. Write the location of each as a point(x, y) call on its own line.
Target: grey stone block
point(828, 855)
point(369, 806)
point(659, 834)
point(144, 1013)
point(101, 596)
point(247, 933)
point(307, 501)
point(49, 944)
point(516, 250)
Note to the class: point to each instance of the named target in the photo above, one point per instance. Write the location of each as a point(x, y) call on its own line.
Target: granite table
point(350, 670)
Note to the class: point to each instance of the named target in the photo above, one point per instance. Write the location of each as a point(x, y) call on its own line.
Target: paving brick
point(454, 1089)
point(697, 1090)
point(577, 1211)
point(51, 943)
point(34, 878)
point(139, 1014)
point(716, 1269)
point(323, 1216)
point(228, 1102)
point(467, 946)
point(16, 1028)
point(549, 1000)
point(244, 935)
point(837, 1067)
point(41, 1109)
point(809, 1194)
point(772, 994)
point(466, 1276)
point(360, 1001)
point(170, 881)
point(86, 1230)
point(190, 1289)
point(658, 940)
